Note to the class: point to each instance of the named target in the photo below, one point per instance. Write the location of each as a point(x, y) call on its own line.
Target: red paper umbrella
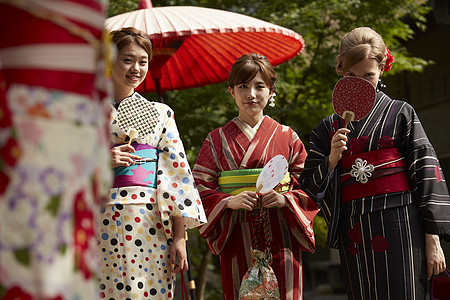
point(197, 46)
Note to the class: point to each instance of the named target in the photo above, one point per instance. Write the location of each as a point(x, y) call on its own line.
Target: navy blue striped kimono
point(379, 226)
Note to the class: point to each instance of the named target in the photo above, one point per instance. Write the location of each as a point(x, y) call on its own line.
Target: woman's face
point(367, 69)
point(129, 69)
point(251, 97)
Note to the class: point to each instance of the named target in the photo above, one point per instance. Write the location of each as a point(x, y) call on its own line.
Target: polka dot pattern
point(136, 223)
point(175, 183)
point(135, 256)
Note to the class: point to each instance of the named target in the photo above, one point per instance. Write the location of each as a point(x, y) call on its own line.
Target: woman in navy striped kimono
point(386, 229)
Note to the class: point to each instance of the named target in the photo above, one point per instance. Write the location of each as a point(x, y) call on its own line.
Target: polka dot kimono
point(136, 223)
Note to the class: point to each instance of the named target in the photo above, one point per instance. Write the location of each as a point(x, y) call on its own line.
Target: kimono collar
point(248, 128)
point(116, 104)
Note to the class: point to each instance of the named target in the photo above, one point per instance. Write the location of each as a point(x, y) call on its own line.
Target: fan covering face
point(353, 98)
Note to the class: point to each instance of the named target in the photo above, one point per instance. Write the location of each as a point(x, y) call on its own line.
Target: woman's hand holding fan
point(271, 175)
point(353, 99)
point(136, 117)
point(260, 281)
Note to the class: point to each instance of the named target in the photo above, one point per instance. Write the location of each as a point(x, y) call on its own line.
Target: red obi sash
point(373, 173)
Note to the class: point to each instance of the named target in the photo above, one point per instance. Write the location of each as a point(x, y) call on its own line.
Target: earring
point(380, 84)
point(272, 100)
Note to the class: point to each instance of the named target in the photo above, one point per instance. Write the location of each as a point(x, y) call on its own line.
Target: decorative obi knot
point(142, 173)
point(234, 182)
point(361, 170)
point(373, 173)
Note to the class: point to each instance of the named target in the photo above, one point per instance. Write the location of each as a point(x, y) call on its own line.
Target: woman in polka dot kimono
point(153, 200)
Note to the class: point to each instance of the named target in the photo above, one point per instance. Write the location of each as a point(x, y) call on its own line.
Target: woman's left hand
point(178, 256)
point(273, 199)
point(434, 254)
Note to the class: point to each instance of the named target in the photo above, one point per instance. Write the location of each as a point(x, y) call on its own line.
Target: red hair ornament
point(389, 61)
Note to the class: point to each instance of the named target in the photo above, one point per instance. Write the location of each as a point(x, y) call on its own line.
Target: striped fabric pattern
point(234, 182)
point(229, 233)
point(391, 123)
point(60, 47)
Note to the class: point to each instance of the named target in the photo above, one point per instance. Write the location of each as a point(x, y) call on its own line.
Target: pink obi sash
point(142, 173)
point(373, 173)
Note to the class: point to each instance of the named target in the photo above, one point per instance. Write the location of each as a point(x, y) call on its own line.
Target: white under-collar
point(251, 130)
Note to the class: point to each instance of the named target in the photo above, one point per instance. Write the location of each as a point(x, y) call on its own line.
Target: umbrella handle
point(158, 90)
point(191, 282)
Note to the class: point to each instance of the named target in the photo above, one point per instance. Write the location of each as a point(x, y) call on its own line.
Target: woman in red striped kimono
point(385, 220)
point(246, 143)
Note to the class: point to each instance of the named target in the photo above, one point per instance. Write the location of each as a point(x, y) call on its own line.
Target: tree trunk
point(202, 275)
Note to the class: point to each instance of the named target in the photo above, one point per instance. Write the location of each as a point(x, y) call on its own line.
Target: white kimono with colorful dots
point(136, 223)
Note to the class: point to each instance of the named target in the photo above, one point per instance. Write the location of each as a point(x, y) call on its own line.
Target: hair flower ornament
point(272, 100)
point(389, 61)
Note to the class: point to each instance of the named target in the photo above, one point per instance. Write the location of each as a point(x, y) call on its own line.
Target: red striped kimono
point(229, 232)
point(379, 226)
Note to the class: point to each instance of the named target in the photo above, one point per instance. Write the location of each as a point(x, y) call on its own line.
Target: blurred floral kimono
point(54, 159)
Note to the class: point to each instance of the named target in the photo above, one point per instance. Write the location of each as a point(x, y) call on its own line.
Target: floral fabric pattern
point(54, 186)
point(54, 157)
point(378, 243)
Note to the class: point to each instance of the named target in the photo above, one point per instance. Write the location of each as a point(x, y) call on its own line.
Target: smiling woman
point(129, 70)
point(153, 198)
point(251, 98)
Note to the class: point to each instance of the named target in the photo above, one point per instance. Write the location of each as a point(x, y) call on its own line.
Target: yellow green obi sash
point(237, 181)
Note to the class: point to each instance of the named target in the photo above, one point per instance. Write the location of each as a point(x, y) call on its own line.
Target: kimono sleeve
point(315, 177)
point(176, 191)
point(221, 220)
point(320, 184)
point(301, 209)
point(426, 177)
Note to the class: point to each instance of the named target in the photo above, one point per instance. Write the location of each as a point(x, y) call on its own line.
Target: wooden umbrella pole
point(191, 281)
point(158, 90)
point(143, 4)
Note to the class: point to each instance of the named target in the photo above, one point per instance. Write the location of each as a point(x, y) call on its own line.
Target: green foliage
point(197, 249)
point(320, 231)
point(117, 7)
